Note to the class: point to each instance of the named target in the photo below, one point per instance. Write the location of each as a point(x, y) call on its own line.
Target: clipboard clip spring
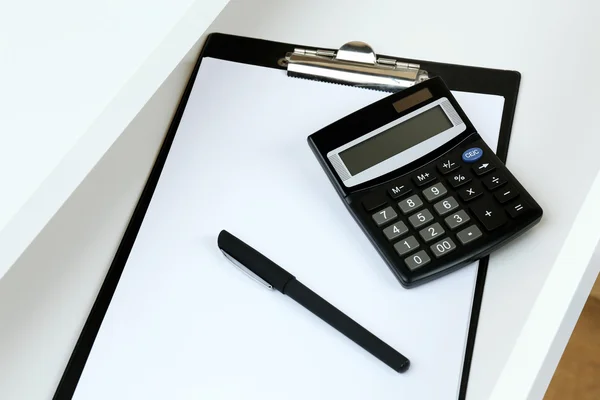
point(354, 64)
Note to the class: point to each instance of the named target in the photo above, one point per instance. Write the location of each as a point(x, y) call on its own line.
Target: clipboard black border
point(266, 53)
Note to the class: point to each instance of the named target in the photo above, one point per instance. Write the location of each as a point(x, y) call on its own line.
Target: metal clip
point(354, 64)
point(246, 271)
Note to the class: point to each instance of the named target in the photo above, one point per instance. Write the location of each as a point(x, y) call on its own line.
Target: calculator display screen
point(395, 140)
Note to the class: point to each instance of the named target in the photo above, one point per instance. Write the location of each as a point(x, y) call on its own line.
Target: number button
point(435, 191)
point(423, 177)
point(494, 181)
point(468, 235)
point(384, 216)
point(395, 231)
point(420, 218)
point(459, 178)
point(457, 219)
point(471, 191)
point(445, 206)
point(417, 260)
point(412, 203)
point(442, 247)
point(406, 246)
point(431, 232)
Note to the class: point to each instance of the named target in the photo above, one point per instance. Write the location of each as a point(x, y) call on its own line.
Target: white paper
point(184, 323)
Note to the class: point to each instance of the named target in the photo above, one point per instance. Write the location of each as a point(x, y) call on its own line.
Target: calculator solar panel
point(425, 188)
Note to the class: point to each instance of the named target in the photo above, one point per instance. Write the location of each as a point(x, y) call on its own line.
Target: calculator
point(422, 184)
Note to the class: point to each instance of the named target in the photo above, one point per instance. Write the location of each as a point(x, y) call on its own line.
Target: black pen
point(271, 275)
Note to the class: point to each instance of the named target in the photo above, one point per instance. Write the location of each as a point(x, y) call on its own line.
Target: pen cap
point(254, 261)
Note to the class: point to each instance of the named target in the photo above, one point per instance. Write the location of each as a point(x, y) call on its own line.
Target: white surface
point(74, 74)
point(45, 299)
point(259, 339)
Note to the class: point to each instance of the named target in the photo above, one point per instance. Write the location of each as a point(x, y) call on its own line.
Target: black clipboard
point(270, 54)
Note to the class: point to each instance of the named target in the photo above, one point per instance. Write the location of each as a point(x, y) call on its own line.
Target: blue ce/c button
point(472, 155)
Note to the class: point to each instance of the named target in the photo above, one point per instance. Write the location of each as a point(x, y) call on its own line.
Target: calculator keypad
point(417, 260)
point(412, 203)
point(407, 245)
point(395, 231)
point(429, 215)
point(434, 192)
point(384, 216)
point(445, 206)
point(432, 232)
point(421, 218)
point(457, 219)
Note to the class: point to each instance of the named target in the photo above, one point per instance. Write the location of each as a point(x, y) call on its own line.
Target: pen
point(271, 275)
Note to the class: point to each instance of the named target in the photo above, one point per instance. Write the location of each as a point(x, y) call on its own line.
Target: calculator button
point(399, 190)
point(442, 247)
point(420, 218)
point(483, 167)
point(447, 165)
point(470, 191)
point(468, 235)
point(457, 219)
point(384, 216)
point(431, 232)
point(493, 181)
point(471, 155)
point(395, 231)
point(412, 203)
point(489, 214)
point(435, 191)
point(506, 194)
point(518, 208)
point(373, 201)
point(406, 246)
point(424, 177)
point(417, 260)
point(445, 206)
point(459, 178)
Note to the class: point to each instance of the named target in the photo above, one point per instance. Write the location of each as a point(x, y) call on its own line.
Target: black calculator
point(423, 185)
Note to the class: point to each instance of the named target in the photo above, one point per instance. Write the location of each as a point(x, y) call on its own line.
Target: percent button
point(459, 178)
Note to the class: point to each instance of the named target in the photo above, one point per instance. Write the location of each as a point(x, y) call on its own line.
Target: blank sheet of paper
point(184, 323)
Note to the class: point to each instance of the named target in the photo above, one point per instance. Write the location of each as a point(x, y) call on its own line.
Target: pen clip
point(245, 270)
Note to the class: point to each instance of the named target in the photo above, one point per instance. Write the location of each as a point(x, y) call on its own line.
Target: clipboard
point(362, 68)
